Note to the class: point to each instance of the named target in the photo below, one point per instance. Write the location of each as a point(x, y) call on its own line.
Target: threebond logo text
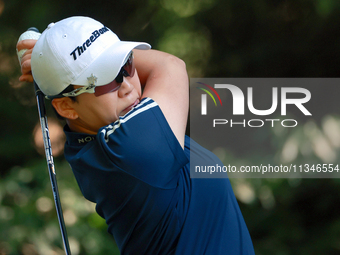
point(82, 48)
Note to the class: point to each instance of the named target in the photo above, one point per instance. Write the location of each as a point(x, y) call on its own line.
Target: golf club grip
point(33, 33)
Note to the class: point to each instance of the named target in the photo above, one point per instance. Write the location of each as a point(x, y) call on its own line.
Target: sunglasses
point(128, 69)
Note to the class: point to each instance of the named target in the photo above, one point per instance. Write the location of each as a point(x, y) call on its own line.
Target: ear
point(64, 107)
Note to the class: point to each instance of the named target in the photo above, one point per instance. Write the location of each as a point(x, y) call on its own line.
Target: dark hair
point(74, 99)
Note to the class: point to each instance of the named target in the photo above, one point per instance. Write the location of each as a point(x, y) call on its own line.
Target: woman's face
point(95, 112)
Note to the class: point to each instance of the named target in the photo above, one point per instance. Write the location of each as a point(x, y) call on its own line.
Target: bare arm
point(166, 82)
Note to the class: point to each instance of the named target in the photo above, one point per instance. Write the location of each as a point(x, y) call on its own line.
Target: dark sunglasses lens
point(129, 66)
point(112, 86)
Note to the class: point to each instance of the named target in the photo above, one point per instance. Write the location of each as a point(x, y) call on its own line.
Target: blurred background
point(216, 38)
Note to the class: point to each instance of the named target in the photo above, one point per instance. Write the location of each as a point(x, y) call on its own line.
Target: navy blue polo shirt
point(139, 177)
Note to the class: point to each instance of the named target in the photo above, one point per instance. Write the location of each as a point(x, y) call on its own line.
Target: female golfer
point(126, 109)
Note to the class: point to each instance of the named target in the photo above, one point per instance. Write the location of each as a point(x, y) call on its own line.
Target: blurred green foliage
point(28, 217)
point(227, 38)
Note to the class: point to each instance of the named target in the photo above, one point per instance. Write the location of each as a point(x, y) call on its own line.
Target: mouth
point(127, 109)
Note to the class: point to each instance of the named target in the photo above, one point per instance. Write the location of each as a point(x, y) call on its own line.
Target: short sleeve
point(142, 144)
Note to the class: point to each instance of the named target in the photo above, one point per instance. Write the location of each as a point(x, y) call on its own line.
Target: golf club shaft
point(33, 33)
point(50, 164)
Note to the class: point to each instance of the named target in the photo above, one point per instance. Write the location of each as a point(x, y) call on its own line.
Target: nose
point(126, 88)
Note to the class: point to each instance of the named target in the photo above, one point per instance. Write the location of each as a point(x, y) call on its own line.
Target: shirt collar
point(77, 139)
